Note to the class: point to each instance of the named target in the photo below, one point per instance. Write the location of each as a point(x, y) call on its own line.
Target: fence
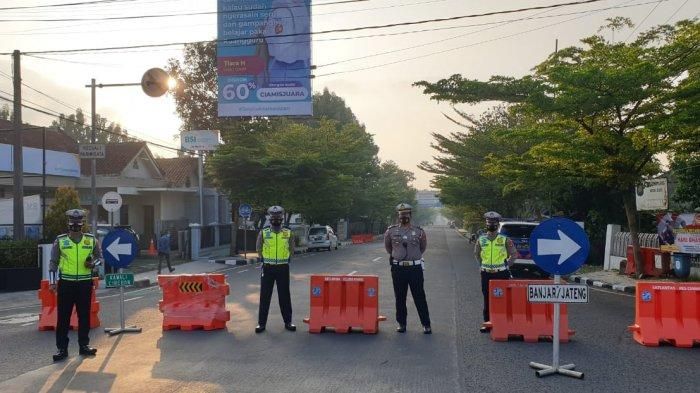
point(623, 239)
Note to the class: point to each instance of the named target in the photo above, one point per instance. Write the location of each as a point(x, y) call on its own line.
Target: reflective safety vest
point(275, 247)
point(493, 252)
point(73, 255)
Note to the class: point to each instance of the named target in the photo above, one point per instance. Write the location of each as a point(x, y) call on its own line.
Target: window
point(517, 231)
point(317, 231)
point(124, 215)
point(135, 164)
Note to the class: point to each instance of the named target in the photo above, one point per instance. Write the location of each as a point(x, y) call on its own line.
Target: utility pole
point(93, 192)
point(18, 194)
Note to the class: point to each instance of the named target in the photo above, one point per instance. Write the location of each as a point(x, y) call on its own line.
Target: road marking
point(376, 259)
point(133, 298)
point(610, 292)
point(243, 271)
point(352, 272)
point(17, 319)
point(27, 324)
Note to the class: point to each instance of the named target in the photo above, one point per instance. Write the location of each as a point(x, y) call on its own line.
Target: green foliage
point(18, 254)
point(5, 112)
point(66, 198)
point(78, 127)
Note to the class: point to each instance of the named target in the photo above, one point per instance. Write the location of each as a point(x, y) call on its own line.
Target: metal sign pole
point(122, 326)
point(245, 237)
point(568, 369)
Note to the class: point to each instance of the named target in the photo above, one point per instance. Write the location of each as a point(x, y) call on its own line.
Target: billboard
point(32, 210)
point(58, 163)
point(203, 140)
point(679, 232)
point(264, 58)
point(652, 195)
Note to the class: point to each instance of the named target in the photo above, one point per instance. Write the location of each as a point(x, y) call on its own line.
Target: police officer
point(275, 245)
point(495, 254)
point(406, 244)
point(74, 255)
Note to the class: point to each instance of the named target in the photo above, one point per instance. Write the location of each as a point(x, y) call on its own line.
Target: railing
point(224, 234)
point(208, 237)
point(623, 239)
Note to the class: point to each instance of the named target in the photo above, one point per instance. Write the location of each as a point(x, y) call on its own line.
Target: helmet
point(492, 216)
point(75, 219)
point(404, 207)
point(275, 211)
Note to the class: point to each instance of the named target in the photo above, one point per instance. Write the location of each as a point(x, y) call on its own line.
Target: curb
point(631, 289)
point(143, 283)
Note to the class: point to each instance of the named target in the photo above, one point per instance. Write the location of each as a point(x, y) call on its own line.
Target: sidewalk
point(612, 280)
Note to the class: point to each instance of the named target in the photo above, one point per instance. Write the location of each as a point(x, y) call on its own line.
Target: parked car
point(322, 237)
point(519, 232)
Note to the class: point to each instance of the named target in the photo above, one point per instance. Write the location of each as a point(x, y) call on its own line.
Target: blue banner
point(264, 58)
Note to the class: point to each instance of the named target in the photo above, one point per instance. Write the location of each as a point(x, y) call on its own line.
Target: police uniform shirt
point(405, 243)
point(56, 252)
point(260, 240)
point(510, 248)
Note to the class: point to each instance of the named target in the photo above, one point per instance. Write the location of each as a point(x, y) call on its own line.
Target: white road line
point(133, 298)
point(27, 324)
point(610, 292)
point(376, 259)
point(243, 271)
point(352, 272)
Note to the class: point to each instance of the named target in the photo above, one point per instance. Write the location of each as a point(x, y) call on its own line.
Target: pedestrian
point(275, 245)
point(164, 251)
point(73, 257)
point(406, 244)
point(495, 253)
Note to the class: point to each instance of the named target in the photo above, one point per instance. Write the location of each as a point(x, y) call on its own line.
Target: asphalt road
point(455, 358)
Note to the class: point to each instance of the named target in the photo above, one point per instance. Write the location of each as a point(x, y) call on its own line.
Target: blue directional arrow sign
point(559, 246)
point(245, 210)
point(119, 248)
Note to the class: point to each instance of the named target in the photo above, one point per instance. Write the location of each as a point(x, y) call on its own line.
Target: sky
point(377, 86)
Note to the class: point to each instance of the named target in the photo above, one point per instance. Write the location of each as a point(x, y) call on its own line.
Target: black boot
point(401, 329)
point(427, 330)
point(259, 328)
point(290, 326)
point(60, 355)
point(484, 329)
point(86, 350)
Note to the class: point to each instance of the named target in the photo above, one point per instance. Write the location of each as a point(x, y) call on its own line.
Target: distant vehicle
point(322, 237)
point(519, 232)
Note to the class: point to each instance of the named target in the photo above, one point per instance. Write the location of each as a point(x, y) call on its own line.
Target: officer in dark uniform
point(74, 255)
point(275, 245)
point(495, 254)
point(406, 244)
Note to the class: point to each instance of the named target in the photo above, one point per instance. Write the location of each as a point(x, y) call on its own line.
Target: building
point(157, 193)
point(427, 198)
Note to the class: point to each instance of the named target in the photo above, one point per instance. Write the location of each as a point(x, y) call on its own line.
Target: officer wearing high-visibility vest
point(275, 245)
point(406, 244)
point(495, 254)
point(73, 257)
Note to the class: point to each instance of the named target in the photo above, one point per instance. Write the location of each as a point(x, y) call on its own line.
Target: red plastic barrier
point(649, 256)
point(343, 303)
point(357, 239)
point(668, 312)
point(194, 301)
point(368, 238)
point(511, 314)
point(49, 308)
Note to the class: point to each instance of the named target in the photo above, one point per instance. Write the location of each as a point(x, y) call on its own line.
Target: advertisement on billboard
point(652, 195)
point(679, 232)
point(202, 140)
point(264, 58)
point(58, 163)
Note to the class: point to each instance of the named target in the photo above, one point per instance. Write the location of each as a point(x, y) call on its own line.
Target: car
point(519, 232)
point(322, 237)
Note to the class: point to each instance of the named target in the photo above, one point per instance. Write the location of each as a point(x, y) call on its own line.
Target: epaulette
point(393, 226)
point(88, 234)
point(62, 235)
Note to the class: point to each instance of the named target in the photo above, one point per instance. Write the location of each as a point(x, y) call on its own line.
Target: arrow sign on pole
point(564, 247)
point(116, 248)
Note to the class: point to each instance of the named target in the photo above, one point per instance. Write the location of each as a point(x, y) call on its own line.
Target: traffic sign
point(120, 248)
point(119, 280)
point(559, 246)
point(563, 293)
point(111, 201)
point(245, 210)
point(94, 150)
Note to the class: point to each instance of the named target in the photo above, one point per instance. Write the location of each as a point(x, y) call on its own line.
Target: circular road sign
point(111, 201)
point(559, 246)
point(245, 210)
point(155, 82)
point(119, 248)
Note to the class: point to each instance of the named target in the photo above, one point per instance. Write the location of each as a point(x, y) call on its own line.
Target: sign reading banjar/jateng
point(264, 58)
point(652, 195)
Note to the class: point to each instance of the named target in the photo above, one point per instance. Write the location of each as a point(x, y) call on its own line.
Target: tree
point(66, 198)
point(5, 112)
point(77, 126)
point(608, 108)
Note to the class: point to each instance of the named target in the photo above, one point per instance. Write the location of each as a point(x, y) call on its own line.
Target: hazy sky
point(400, 116)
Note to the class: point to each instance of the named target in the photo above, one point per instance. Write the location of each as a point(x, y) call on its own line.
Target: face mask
point(276, 222)
point(75, 227)
point(492, 227)
point(405, 220)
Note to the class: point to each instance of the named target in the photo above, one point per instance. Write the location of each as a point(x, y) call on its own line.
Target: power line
point(642, 22)
point(65, 4)
point(676, 11)
point(359, 28)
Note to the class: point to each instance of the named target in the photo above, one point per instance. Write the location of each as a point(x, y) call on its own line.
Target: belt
point(407, 263)
point(276, 263)
point(496, 270)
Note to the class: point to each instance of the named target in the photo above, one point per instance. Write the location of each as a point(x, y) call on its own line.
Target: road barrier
point(667, 312)
point(343, 303)
point(49, 308)
point(362, 238)
point(655, 262)
point(194, 301)
point(510, 314)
